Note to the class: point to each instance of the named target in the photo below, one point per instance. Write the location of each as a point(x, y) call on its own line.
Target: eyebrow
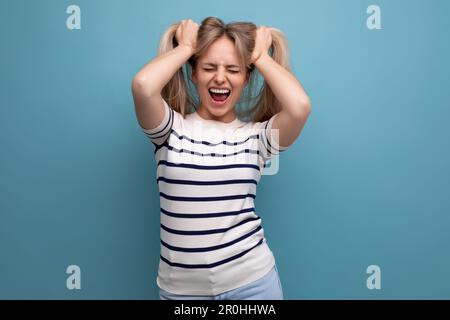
point(215, 65)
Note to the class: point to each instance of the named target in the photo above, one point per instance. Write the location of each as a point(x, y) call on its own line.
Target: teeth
point(219, 90)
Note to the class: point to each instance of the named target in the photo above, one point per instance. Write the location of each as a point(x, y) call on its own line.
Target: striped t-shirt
point(212, 239)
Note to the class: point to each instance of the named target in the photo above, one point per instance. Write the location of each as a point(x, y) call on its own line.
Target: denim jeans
point(266, 288)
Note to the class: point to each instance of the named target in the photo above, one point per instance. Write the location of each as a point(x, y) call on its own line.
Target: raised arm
point(295, 103)
point(148, 83)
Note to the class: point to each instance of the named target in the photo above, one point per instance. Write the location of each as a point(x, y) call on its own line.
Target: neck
point(226, 118)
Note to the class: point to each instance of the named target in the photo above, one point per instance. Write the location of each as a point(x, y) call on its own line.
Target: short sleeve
point(160, 134)
point(268, 139)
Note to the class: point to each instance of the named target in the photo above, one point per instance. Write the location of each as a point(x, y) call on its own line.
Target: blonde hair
point(263, 105)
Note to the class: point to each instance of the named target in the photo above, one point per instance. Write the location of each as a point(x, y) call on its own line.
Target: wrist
point(261, 59)
point(188, 46)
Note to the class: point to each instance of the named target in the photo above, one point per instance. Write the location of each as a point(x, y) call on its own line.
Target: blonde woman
point(210, 152)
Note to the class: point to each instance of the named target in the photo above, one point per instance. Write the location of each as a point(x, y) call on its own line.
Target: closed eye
point(209, 69)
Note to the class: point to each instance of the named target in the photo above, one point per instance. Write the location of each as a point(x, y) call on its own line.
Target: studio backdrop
point(359, 207)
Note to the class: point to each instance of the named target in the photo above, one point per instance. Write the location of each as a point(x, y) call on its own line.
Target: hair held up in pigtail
point(258, 102)
point(175, 92)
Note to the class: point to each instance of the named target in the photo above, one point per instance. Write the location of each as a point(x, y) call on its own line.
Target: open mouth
point(219, 96)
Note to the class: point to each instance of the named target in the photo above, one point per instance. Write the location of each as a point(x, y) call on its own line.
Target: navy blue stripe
point(265, 133)
point(206, 215)
point(212, 154)
point(206, 183)
point(211, 265)
point(203, 232)
point(233, 197)
point(265, 140)
point(206, 249)
point(194, 166)
point(181, 137)
point(159, 146)
point(210, 143)
point(153, 135)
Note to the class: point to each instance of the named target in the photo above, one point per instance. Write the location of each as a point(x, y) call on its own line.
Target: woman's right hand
point(186, 33)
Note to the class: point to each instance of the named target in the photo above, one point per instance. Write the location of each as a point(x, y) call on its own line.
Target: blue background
point(367, 182)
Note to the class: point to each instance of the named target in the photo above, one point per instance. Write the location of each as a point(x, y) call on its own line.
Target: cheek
point(202, 81)
point(238, 84)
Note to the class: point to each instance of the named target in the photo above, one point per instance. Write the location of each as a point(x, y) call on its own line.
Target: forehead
point(221, 51)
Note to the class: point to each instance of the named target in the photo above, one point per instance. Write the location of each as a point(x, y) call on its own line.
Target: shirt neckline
point(234, 123)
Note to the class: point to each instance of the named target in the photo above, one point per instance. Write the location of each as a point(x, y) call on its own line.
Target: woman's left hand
point(263, 41)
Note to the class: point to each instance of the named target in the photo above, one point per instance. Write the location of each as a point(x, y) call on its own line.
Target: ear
point(194, 76)
point(247, 78)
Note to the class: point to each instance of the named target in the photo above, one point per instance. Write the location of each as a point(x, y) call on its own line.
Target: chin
point(219, 111)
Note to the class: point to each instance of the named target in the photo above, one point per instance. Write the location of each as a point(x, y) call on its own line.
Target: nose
point(220, 75)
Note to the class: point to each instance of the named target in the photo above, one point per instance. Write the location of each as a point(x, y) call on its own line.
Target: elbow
point(141, 85)
point(306, 105)
point(138, 81)
point(303, 110)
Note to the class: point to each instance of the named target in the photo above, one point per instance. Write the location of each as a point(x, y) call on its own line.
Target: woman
point(209, 161)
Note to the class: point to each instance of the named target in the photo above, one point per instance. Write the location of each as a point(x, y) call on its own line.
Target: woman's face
point(220, 81)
